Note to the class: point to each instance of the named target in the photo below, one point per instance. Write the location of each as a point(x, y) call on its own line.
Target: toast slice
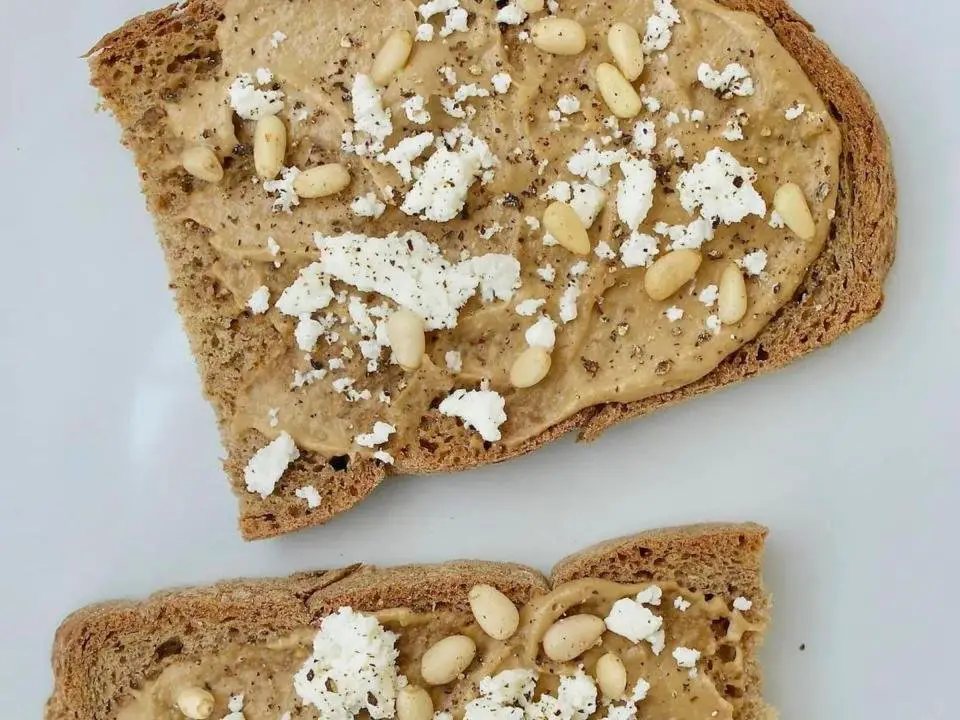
point(105, 652)
point(151, 59)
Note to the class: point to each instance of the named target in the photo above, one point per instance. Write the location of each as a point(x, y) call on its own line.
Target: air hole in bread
point(720, 627)
point(727, 653)
point(762, 353)
point(340, 462)
point(733, 691)
point(173, 646)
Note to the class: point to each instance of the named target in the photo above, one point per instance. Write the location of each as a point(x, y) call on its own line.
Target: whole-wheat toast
point(150, 59)
point(104, 651)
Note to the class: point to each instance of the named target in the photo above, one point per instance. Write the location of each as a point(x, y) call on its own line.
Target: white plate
point(112, 485)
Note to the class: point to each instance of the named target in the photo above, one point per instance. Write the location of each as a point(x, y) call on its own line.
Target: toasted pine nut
point(447, 659)
point(392, 56)
point(559, 36)
point(530, 6)
point(792, 206)
point(406, 333)
point(617, 92)
point(321, 181)
point(624, 43)
point(414, 703)
point(195, 703)
point(203, 163)
point(732, 296)
point(572, 636)
point(269, 146)
point(562, 221)
point(530, 367)
point(671, 272)
point(611, 676)
point(495, 613)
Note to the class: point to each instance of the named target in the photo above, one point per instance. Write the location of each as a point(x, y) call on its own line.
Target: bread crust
point(842, 290)
point(104, 649)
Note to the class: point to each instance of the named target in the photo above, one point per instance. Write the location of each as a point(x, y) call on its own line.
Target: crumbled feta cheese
point(673, 313)
point(734, 79)
point(277, 38)
point(259, 300)
point(310, 495)
point(674, 146)
point(632, 620)
point(686, 657)
point(286, 197)
point(401, 156)
point(734, 131)
point(441, 190)
point(671, 119)
point(530, 307)
point(638, 250)
point(268, 464)
point(708, 296)
point(412, 271)
point(696, 116)
point(448, 74)
point(542, 333)
point(754, 262)
point(594, 164)
point(368, 205)
point(491, 230)
point(742, 604)
point(424, 32)
point(414, 108)
point(273, 417)
point(587, 201)
point(645, 136)
point(776, 221)
point(369, 116)
point(273, 247)
point(250, 102)
point(604, 251)
point(307, 333)
point(686, 237)
point(794, 111)
point(378, 436)
point(353, 669)
point(568, 104)
point(384, 457)
point(454, 361)
point(721, 187)
point(549, 240)
point(680, 604)
point(657, 36)
point(302, 379)
point(532, 222)
point(635, 191)
point(548, 273)
point(436, 7)
point(511, 14)
point(501, 82)
point(454, 21)
point(310, 292)
point(558, 190)
point(713, 324)
point(568, 301)
point(651, 104)
point(482, 410)
point(460, 96)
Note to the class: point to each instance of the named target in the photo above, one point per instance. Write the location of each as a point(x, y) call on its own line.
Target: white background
point(109, 456)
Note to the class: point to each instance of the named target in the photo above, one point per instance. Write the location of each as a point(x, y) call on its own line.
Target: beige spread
point(621, 347)
point(264, 673)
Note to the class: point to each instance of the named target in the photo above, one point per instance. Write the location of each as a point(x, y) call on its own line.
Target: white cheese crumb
point(587, 201)
point(490, 231)
point(273, 247)
point(511, 14)
point(680, 604)
point(742, 604)
point(264, 76)
point(594, 164)
point(452, 106)
point(722, 188)
point(532, 222)
point(448, 74)
point(674, 146)
point(632, 620)
point(310, 494)
point(708, 296)
point(424, 32)
point(604, 251)
point(542, 333)
point(440, 192)
point(635, 191)
point(454, 21)
point(273, 417)
point(713, 324)
point(734, 79)
point(259, 300)
point(686, 237)
point(530, 307)
point(401, 156)
point(310, 292)
point(286, 197)
point(568, 104)
point(302, 379)
point(794, 111)
point(369, 116)
point(557, 190)
point(638, 250)
point(673, 313)
point(414, 109)
point(548, 273)
point(696, 116)
point(250, 102)
point(277, 38)
point(686, 657)
point(482, 410)
point(776, 221)
point(645, 136)
point(501, 82)
point(267, 466)
point(368, 205)
point(734, 131)
point(657, 36)
point(454, 361)
point(651, 104)
point(378, 436)
point(671, 119)
point(307, 333)
point(754, 262)
point(384, 457)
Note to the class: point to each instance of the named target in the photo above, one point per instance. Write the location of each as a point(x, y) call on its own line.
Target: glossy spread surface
point(263, 674)
point(621, 346)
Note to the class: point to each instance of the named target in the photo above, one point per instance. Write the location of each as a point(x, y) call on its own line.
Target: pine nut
point(611, 676)
point(530, 6)
point(406, 333)
point(792, 206)
point(559, 36)
point(562, 221)
point(572, 636)
point(671, 272)
point(447, 659)
point(203, 163)
point(624, 43)
point(530, 367)
point(269, 146)
point(392, 56)
point(414, 703)
point(321, 181)
point(617, 92)
point(495, 613)
point(732, 296)
point(195, 703)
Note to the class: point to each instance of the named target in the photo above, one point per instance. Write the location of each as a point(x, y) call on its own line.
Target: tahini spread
point(621, 346)
point(263, 673)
